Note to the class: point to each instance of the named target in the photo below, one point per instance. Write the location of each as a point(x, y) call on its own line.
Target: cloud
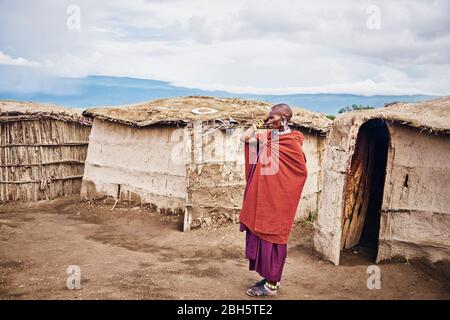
point(5, 59)
point(366, 88)
point(242, 46)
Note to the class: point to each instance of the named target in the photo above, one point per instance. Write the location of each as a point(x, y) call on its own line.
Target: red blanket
point(275, 179)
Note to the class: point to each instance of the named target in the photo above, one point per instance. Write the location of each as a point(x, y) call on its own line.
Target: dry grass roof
point(17, 111)
point(432, 115)
point(179, 110)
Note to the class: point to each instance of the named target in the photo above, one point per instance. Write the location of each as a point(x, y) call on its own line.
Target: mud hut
point(387, 174)
point(42, 151)
point(183, 155)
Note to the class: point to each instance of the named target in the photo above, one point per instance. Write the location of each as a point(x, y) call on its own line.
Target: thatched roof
point(432, 115)
point(18, 111)
point(179, 110)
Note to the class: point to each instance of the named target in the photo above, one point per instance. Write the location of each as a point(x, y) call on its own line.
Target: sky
point(256, 46)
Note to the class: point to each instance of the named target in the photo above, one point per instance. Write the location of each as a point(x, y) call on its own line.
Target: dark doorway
point(364, 192)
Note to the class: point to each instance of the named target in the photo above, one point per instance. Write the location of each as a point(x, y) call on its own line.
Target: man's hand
point(260, 124)
point(249, 133)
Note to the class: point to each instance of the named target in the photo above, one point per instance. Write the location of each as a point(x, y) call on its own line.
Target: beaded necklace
point(288, 130)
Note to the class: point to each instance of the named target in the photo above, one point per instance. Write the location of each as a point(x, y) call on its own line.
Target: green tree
point(354, 107)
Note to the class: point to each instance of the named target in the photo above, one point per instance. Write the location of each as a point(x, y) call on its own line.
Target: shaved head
point(283, 109)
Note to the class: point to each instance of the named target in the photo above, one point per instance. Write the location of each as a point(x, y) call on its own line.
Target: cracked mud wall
point(216, 176)
point(314, 148)
point(415, 219)
point(144, 165)
point(337, 157)
point(190, 170)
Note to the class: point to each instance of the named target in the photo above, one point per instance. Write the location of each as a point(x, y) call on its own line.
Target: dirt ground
point(132, 253)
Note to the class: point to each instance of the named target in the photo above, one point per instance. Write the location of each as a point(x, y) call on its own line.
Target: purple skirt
point(264, 257)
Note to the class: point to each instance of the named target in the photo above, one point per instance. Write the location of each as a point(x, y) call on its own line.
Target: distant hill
point(104, 90)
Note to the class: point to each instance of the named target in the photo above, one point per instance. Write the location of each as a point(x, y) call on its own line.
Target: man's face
point(273, 121)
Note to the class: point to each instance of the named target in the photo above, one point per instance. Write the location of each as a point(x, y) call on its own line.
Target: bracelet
point(270, 286)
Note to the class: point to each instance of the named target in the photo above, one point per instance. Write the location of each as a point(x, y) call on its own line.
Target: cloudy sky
point(254, 46)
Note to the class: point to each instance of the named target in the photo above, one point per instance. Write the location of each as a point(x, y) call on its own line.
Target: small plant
point(330, 116)
point(312, 217)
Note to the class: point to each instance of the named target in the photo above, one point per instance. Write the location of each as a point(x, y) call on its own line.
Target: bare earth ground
point(131, 253)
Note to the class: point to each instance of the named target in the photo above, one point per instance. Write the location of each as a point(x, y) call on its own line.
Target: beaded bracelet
point(270, 286)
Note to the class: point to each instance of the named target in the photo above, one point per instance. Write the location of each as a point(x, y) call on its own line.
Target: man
point(275, 173)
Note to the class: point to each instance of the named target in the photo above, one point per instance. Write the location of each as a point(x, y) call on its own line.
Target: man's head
point(278, 113)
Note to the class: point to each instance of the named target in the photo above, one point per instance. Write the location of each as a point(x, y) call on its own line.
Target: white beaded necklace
point(280, 133)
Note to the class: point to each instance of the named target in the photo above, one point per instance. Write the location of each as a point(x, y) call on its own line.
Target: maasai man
point(275, 169)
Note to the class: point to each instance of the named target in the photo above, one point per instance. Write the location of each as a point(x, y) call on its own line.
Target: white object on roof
point(203, 111)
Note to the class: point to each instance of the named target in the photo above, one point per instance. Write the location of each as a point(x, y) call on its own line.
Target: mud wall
point(195, 169)
point(415, 219)
point(314, 148)
point(336, 161)
point(41, 159)
point(216, 175)
point(136, 164)
point(415, 211)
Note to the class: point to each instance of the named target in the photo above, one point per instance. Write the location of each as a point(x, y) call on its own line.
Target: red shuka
point(274, 185)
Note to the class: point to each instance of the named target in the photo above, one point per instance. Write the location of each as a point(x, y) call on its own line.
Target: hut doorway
point(364, 190)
